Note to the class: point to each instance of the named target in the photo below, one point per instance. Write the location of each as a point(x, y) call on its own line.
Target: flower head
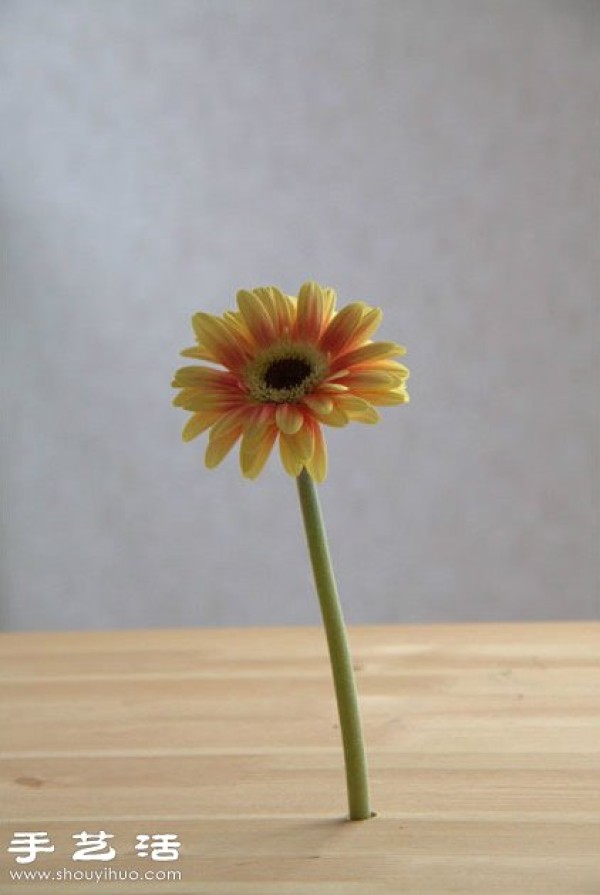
point(290, 365)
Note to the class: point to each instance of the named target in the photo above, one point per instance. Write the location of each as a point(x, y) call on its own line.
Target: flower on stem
point(290, 365)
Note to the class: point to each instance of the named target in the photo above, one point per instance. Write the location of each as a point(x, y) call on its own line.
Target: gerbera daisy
point(290, 365)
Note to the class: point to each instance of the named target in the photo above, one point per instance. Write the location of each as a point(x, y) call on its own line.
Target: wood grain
point(483, 742)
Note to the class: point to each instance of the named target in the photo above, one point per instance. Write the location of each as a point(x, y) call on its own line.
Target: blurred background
point(438, 158)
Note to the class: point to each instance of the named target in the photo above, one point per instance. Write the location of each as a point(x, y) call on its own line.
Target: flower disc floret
point(285, 373)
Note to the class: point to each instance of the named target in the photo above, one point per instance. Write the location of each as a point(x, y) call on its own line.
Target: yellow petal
point(219, 447)
point(292, 463)
point(332, 388)
point(289, 419)
point(257, 421)
point(372, 351)
point(198, 353)
point(370, 379)
point(303, 442)
point(256, 317)
point(194, 399)
point(317, 465)
point(219, 339)
point(388, 398)
point(358, 409)
point(329, 299)
point(228, 422)
point(197, 424)
point(189, 376)
point(285, 309)
point(322, 405)
point(255, 451)
point(398, 377)
point(386, 364)
point(280, 309)
point(209, 330)
point(336, 417)
point(341, 329)
point(370, 322)
point(311, 305)
point(239, 331)
point(264, 295)
point(182, 397)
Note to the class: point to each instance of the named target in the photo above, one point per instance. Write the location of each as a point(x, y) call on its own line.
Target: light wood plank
point(484, 746)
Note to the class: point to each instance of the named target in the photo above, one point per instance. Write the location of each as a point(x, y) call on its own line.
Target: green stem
point(339, 653)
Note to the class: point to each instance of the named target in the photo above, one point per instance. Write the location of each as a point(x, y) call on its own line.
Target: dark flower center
point(287, 372)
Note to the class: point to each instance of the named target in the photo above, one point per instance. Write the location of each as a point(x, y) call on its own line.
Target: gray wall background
point(437, 158)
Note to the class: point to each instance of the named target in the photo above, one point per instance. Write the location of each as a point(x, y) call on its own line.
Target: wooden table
point(483, 743)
